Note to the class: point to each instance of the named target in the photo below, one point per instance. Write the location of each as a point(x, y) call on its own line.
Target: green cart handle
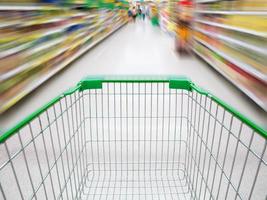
point(95, 82)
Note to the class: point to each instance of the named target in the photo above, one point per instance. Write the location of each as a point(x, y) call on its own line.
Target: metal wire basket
point(134, 138)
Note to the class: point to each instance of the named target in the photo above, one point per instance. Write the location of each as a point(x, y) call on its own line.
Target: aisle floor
point(135, 49)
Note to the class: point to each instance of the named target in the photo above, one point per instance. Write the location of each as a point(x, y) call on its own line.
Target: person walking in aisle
point(139, 11)
point(134, 12)
point(143, 13)
point(130, 15)
point(147, 11)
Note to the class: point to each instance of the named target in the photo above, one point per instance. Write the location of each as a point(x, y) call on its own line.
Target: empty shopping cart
point(134, 138)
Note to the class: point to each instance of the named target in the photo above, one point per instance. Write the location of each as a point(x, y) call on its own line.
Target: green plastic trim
point(26, 120)
point(95, 82)
point(71, 90)
point(233, 111)
point(32, 116)
point(200, 90)
point(181, 83)
point(90, 84)
point(240, 116)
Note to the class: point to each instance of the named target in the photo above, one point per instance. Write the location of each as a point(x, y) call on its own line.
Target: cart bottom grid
point(154, 184)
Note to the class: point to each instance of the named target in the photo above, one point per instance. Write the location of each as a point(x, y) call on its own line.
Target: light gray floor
point(135, 49)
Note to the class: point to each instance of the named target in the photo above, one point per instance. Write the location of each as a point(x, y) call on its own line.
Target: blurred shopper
point(139, 11)
point(130, 14)
point(143, 13)
point(134, 13)
point(147, 11)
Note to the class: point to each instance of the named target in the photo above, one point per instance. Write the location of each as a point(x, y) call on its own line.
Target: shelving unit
point(233, 28)
point(42, 40)
point(226, 12)
point(227, 39)
point(205, 1)
point(233, 40)
point(236, 83)
point(238, 63)
point(168, 16)
point(28, 7)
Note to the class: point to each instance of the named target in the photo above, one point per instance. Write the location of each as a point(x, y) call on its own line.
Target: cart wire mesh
point(134, 140)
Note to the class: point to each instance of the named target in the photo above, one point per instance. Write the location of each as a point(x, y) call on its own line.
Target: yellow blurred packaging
point(258, 23)
point(251, 4)
point(19, 1)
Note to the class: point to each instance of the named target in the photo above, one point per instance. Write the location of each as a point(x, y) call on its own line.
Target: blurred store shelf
point(206, 1)
point(229, 27)
point(39, 40)
point(226, 12)
point(232, 38)
point(28, 7)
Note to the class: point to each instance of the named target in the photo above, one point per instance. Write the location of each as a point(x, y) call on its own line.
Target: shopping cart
point(134, 138)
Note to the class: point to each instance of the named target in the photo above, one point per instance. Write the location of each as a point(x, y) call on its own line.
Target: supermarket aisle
point(135, 49)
